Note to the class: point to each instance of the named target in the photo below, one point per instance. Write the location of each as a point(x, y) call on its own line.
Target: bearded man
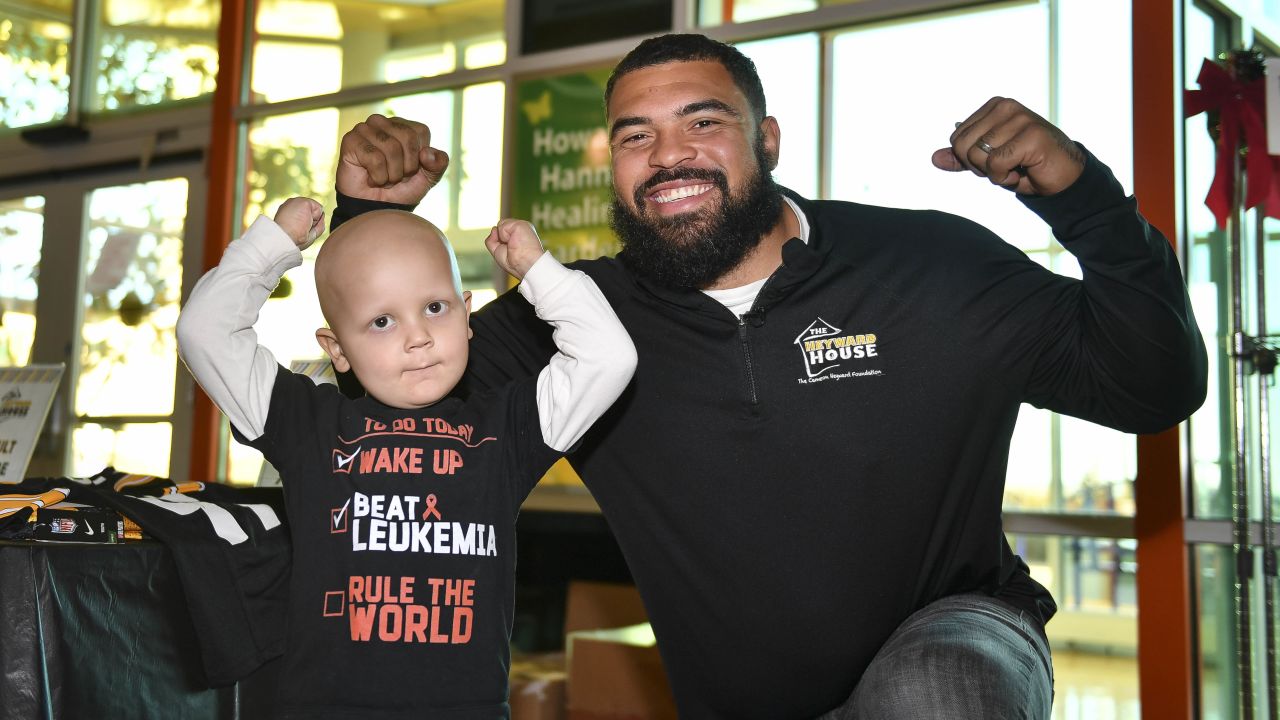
point(806, 474)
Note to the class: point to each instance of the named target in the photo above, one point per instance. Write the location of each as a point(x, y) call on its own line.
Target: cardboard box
point(538, 687)
point(617, 674)
point(616, 677)
point(595, 605)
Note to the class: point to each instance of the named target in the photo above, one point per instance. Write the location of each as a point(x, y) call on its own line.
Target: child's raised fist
point(302, 219)
point(515, 245)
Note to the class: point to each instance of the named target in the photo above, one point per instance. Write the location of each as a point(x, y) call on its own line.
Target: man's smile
point(668, 195)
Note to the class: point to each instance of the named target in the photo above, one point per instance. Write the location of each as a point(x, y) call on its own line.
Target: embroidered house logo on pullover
point(824, 348)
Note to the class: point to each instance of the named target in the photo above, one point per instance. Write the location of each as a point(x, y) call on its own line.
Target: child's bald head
point(389, 289)
point(376, 238)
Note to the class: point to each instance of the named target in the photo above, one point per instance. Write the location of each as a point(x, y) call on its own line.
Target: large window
point(296, 154)
point(92, 270)
point(719, 12)
point(789, 69)
point(34, 62)
point(1094, 633)
point(21, 237)
point(888, 125)
point(885, 126)
point(86, 58)
point(126, 374)
point(153, 52)
point(1211, 444)
point(353, 43)
point(1207, 280)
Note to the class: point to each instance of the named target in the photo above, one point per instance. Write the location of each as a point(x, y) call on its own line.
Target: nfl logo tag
point(63, 525)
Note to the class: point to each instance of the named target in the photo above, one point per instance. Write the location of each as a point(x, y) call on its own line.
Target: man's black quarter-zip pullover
point(789, 486)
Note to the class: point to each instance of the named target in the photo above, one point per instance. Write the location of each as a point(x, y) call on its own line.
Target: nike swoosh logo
point(343, 462)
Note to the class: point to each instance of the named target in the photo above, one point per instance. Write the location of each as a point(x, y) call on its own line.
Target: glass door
point(107, 287)
point(1232, 276)
point(125, 377)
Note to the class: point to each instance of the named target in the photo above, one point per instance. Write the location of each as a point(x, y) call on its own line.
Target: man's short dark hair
point(689, 48)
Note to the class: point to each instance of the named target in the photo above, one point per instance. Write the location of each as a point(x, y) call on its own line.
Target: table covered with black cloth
point(103, 631)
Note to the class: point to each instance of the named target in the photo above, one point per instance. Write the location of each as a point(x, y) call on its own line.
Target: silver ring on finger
point(984, 147)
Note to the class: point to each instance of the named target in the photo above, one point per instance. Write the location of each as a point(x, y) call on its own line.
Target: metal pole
point(1263, 369)
point(1240, 504)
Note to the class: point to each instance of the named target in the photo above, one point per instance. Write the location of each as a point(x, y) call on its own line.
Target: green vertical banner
point(562, 175)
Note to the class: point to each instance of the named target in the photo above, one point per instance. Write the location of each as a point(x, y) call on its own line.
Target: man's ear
point(329, 342)
point(466, 300)
point(771, 134)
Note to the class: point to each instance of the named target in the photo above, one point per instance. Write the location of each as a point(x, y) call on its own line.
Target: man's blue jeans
point(964, 656)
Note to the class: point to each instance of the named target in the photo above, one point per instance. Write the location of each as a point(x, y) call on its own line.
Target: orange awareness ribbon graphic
point(431, 508)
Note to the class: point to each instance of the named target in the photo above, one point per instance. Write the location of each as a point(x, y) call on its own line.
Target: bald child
point(402, 503)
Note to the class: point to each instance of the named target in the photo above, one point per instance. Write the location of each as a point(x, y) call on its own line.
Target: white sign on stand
point(26, 394)
point(1272, 79)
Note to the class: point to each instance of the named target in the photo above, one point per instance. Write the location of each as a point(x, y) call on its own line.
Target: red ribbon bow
point(1241, 107)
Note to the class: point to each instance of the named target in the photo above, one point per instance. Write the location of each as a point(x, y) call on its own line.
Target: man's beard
point(694, 249)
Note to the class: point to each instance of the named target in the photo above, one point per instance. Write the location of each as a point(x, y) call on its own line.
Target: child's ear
point(329, 342)
point(466, 300)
